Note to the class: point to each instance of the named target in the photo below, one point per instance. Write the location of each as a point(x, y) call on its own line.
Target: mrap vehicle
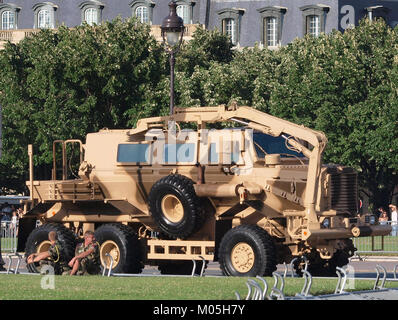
point(177, 189)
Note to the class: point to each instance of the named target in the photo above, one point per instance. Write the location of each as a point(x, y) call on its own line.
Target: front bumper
point(343, 233)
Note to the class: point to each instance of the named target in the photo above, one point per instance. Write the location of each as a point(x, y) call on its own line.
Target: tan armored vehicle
point(249, 196)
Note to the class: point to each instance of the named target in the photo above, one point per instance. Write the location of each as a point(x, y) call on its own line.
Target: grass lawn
point(27, 287)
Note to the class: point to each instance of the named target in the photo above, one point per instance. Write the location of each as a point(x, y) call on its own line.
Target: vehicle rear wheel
point(122, 244)
point(38, 242)
point(175, 207)
point(247, 250)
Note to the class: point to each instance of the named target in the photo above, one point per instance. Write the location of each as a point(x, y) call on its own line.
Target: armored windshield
point(266, 144)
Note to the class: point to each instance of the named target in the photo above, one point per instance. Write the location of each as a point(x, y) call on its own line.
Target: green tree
point(222, 82)
point(204, 48)
point(346, 86)
point(63, 84)
point(193, 62)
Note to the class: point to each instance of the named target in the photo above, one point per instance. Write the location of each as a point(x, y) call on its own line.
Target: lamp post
point(172, 32)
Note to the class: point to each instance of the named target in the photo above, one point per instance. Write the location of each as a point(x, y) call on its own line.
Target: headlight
point(372, 219)
point(326, 223)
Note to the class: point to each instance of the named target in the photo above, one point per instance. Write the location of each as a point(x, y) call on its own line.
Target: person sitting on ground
point(86, 260)
point(55, 255)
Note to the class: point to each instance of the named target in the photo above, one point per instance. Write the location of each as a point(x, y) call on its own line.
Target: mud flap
point(26, 226)
point(222, 227)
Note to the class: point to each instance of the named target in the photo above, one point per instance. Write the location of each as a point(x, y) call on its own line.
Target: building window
point(313, 26)
point(272, 39)
point(183, 12)
point(44, 15)
point(229, 29)
point(142, 14)
point(230, 23)
point(8, 16)
point(44, 19)
point(7, 20)
point(91, 12)
point(143, 10)
point(272, 25)
point(314, 17)
point(91, 16)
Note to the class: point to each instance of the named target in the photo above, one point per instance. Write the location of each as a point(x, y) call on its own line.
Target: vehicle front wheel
point(248, 251)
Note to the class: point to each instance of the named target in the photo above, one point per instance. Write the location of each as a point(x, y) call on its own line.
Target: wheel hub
point(109, 248)
point(172, 208)
point(242, 257)
point(43, 246)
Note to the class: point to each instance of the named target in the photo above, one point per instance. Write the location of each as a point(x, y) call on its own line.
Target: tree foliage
point(64, 84)
point(204, 48)
point(346, 86)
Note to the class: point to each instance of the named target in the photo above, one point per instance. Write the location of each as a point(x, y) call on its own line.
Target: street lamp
point(172, 32)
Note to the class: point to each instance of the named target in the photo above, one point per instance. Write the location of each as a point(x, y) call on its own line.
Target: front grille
point(344, 192)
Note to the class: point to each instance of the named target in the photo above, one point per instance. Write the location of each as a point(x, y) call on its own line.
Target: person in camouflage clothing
point(86, 260)
point(55, 256)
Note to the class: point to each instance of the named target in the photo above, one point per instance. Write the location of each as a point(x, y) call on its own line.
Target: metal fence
point(9, 233)
point(378, 244)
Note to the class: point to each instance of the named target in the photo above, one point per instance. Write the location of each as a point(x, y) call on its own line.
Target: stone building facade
point(270, 23)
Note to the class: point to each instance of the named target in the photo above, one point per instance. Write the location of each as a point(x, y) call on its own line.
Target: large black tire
point(175, 207)
point(181, 267)
point(323, 267)
point(319, 267)
point(39, 235)
point(121, 242)
point(247, 251)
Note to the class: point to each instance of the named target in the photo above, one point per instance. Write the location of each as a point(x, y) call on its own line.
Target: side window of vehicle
point(224, 147)
point(213, 154)
point(182, 153)
point(134, 153)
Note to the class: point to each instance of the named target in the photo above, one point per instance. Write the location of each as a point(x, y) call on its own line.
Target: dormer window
point(185, 10)
point(230, 23)
point(142, 10)
point(314, 18)
point(272, 18)
point(9, 16)
point(44, 15)
point(91, 12)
